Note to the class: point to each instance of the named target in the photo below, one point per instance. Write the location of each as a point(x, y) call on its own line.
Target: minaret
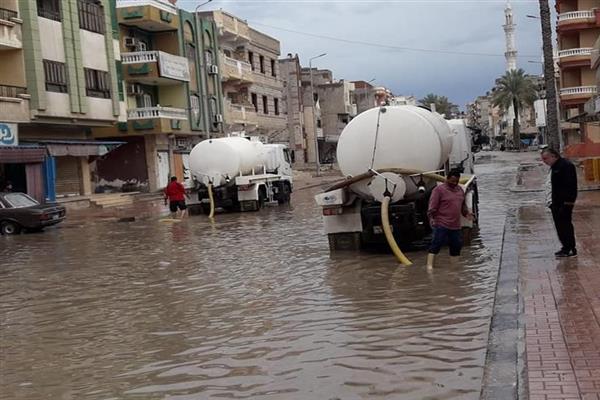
point(509, 30)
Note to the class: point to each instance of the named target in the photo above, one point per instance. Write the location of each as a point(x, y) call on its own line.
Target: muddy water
point(250, 307)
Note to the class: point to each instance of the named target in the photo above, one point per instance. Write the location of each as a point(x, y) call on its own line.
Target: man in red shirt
point(446, 205)
point(175, 193)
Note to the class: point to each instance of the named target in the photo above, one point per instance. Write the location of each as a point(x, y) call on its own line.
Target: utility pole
point(552, 122)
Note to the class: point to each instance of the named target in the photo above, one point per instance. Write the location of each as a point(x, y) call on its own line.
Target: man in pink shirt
point(446, 205)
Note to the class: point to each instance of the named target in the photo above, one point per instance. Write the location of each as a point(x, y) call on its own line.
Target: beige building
point(252, 86)
point(290, 71)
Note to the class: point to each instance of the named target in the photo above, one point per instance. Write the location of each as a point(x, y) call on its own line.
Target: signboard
point(173, 67)
point(9, 135)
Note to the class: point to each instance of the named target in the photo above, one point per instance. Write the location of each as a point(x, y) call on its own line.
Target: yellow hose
point(212, 201)
point(385, 222)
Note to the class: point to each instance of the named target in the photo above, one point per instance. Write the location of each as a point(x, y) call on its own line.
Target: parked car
point(20, 212)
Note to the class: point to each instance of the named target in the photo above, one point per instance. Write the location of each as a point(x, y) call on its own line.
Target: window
point(265, 105)
point(56, 76)
point(49, 9)
point(251, 59)
point(96, 83)
point(273, 71)
point(255, 101)
point(276, 106)
point(261, 61)
point(91, 16)
point(195, 106)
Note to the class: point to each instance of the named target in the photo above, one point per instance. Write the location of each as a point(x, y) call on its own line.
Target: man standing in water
point(446, 205)
point(175, 193)
point(560, 197)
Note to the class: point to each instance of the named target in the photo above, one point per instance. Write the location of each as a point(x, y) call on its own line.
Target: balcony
point(576, 19)
point(156, 112)
point(575, 57)
point(573, 96)
point(14, 104)
point(595, 57)
point(150, 15)
point(235, 70)
point(149, 120)
point(231, 29)
point(10, 30)
point(239, 114)
point(155, 68)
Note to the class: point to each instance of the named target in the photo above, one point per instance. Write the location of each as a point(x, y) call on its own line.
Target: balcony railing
point(139, 57)
point(584, 51)
point(160, 4)
point(8, 14)
point(12, 91)
point(576, 15)
point(240, 65)
point(578, 90)
point(156, 112)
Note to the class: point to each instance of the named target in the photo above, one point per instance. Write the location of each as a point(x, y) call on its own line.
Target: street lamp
point(200, 5)
point(312, 99)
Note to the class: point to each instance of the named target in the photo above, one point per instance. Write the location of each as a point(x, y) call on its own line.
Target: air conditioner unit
point(218, 119)
point(135, 90)
point(130, 41)
point(213, 69)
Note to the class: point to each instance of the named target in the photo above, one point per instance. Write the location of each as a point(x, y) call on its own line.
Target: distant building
point(290, 71)
point(367, 96)
point(403, 101)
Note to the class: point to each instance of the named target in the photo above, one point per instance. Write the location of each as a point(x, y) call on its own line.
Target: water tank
point(217, 160)
point(393, 137)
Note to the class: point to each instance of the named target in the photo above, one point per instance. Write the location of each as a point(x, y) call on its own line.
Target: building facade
point(251, 81)
point(290, 71)
point(172, 94)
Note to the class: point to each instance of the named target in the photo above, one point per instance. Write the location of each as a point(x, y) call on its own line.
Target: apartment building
point(290, 71)
point(251, 81)
point(313, 123)
point(479, 115)
point(169, 66)
point(58, 79)
point(578, 29)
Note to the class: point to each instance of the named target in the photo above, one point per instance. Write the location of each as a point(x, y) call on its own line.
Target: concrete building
point(404, 101)
point(313, 123)
point(59, 75)
point(479, 115)
point(578, 29)
point(367, 96)
point(290, 71)
point(251, 81)
point(171, 86)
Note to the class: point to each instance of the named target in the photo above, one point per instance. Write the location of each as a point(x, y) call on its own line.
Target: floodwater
point(252, 307)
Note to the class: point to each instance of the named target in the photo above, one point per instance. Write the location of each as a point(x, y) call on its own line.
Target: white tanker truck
point(244, 173)
point(401, 152)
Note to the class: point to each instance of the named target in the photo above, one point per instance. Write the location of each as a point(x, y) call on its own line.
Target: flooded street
point(251, 307)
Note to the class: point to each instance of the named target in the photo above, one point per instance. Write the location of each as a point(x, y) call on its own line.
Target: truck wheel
point(262, 197)
point(285, 195)
point(10, 228)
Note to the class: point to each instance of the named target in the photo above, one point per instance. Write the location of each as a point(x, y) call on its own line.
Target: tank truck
point(240, 174)
point(397, 154)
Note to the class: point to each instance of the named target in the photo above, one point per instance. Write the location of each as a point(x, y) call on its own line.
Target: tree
point(442, 104)
point(551, 104)
point(514, 89)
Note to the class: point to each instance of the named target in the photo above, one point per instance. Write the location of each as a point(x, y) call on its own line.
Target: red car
point(20, 212)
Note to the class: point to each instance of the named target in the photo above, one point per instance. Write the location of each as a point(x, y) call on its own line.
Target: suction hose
point(387, 230)
point(212, 201)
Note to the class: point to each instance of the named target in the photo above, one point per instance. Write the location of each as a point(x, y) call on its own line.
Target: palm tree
point(514, 89)
point(442, 104)
point(551, 105)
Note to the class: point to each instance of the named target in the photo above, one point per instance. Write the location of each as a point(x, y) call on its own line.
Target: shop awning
point(78, 148)
point(22, 154)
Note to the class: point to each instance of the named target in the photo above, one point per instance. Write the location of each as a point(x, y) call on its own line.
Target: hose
point(212, 201)
point(385, 222)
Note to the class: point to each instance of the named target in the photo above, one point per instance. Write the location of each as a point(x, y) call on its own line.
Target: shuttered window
point(56, 76)
point(49, 9)
point(91, 16)
point(96, 83)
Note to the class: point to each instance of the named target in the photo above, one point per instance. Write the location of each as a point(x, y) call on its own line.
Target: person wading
point(561, 194)
point(175, 194)
point(446, 205)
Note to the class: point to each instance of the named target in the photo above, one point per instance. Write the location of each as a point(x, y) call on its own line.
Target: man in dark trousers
point(175, 193)
point(561, 199)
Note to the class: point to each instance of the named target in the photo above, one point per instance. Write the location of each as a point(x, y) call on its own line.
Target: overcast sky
point(453, 26)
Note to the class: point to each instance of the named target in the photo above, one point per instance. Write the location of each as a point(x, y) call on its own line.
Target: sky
point(378, 38)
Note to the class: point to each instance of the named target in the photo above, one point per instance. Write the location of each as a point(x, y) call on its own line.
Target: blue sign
point(8, 135)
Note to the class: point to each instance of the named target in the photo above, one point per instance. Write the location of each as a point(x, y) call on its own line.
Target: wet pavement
point(252, 306)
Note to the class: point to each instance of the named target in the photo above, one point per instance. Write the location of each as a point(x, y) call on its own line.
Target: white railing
point(156, 112)
point(576, 15)
point(139, 57)
point(241, 66)
point(584, 51)
point(578, 90)
point(161, 4)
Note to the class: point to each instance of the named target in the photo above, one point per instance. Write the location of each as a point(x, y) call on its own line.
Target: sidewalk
point(561, 302)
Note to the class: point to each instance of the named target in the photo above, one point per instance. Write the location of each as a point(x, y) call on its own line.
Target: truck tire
point(10, 228)
point(285, 195)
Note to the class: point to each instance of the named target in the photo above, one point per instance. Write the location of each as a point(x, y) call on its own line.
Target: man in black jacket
point(563, 178)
